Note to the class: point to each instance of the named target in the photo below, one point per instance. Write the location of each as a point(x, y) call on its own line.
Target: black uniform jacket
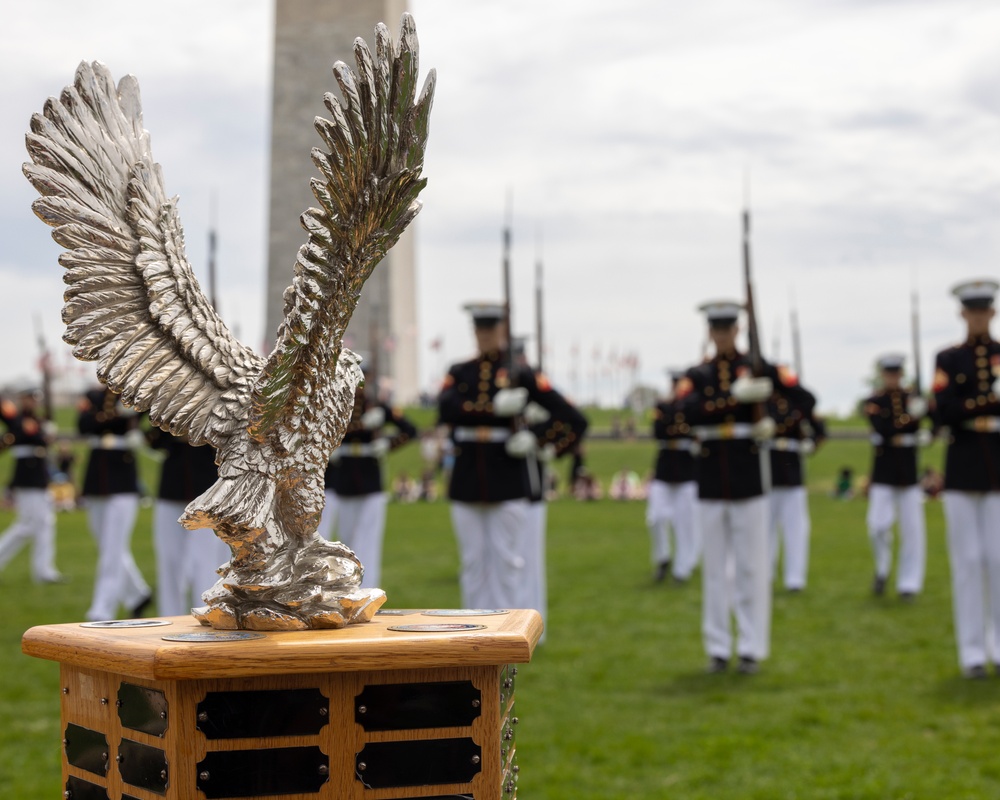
point(483, 472)
point(187, 471)
point(31, 469)
point(729, 468)
point(794, 424)
point(674, 460)
point(565, 418)
point(895, 458)
point(110, 468)
point(361, 474)
point(965, 402)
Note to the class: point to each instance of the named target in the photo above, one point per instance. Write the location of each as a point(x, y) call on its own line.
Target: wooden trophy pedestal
point(361, 713)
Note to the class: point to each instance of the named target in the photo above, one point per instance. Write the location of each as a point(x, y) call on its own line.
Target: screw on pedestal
point(362, 709)
point(362, 766)
point(104, 701)
point(203, 776)
point(475, 759)
point(324, 711)
point(324, 769)
point(163, 774)
point(202, 716)
point(475, 704)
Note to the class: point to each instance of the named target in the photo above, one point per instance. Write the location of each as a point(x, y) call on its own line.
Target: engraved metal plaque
point(142, 709)
point(465, 612)
point(213, 636)
point(86, 749)
point(444, 627)
point(258, 773)
point(427, 762)
point(127, 623)
point(79, 789)
point(407, 706)
point(271, 712)
point(143, 766)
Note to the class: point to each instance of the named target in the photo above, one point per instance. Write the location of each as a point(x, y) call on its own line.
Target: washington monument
point(309, 36)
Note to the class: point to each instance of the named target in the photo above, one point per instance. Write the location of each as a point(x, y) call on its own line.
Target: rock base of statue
point(415, 704)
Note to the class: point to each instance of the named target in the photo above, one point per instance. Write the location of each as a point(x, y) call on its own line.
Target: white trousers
point(34, 521)
point(491, 548)
point(973, 522)
point(187, 562)
point(885, 505)
point(735, 577)
point(790, 513)
point(118, 581)
point(535, 589)
point(328, 520)
point(674, 506)
point(361, 526)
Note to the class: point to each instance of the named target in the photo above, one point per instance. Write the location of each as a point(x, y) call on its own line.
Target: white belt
point(689, 445)
point(899, 440)
point(109, 441)
point(483, 433)
point(357, 449)
point(982, 424)
point(730, 430)
point(786, 445)
point(28, 451)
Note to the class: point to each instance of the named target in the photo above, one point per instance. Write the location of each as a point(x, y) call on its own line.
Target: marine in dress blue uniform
point(967, 402)
point(489, 486)
point(723, 402)
point(796, 434)
point(375, 430)
point(895, 415)
point(27, 438)
point(671, 505)
point(187, 561)
point(111, 496)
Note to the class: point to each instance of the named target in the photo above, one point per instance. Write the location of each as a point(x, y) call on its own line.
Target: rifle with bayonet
point(915, 331)
point(756, 357)
point(45, 366)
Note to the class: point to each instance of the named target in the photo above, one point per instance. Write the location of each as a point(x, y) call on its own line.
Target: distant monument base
point(415, 704)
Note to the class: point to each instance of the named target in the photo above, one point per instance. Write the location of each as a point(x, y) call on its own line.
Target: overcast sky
point(871, 132)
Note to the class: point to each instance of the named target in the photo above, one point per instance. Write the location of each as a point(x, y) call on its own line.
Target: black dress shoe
point(661, 571)
point(747, 666)
point(878, 586)
point(976, 672)
point(141, 606)
point(907, 597)
point(717, 665)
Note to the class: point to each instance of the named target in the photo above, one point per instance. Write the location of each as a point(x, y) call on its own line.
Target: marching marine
point(28, 439)
point(187, 561)
point(673, 492)
point(724, 402)
point(111, 496)
point(967, 401)
point(358, 482)
point(895, 415)
point(796, 434)
point(495, 461)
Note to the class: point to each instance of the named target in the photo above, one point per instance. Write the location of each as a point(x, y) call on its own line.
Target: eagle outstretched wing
point(367, 196)
point(132, 302)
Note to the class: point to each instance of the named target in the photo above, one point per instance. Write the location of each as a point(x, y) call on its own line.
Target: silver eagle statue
point(133, 306)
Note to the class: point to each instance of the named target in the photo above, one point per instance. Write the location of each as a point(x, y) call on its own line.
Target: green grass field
point(861, 698)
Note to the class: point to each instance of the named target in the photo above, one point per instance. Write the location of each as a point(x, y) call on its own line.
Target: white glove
point(547, 453)
point(509, 402)
point(135, 439)
point(916, 407)
point(996, 386)
point(752, 390)
point(373, 418)
point(50, 429)
point(807, 447)
point(521, 444)
point(534, 414)
point(924, 437)
point(763, 429)
point(380, 447)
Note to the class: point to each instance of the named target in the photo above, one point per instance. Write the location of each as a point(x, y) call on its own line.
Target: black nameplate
point(407, 706)
point(272, 712)
point(258, 773)
point(86, 749)
point(142, 709)
point(426, 762)
point(143, 766)
point(79, 789)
